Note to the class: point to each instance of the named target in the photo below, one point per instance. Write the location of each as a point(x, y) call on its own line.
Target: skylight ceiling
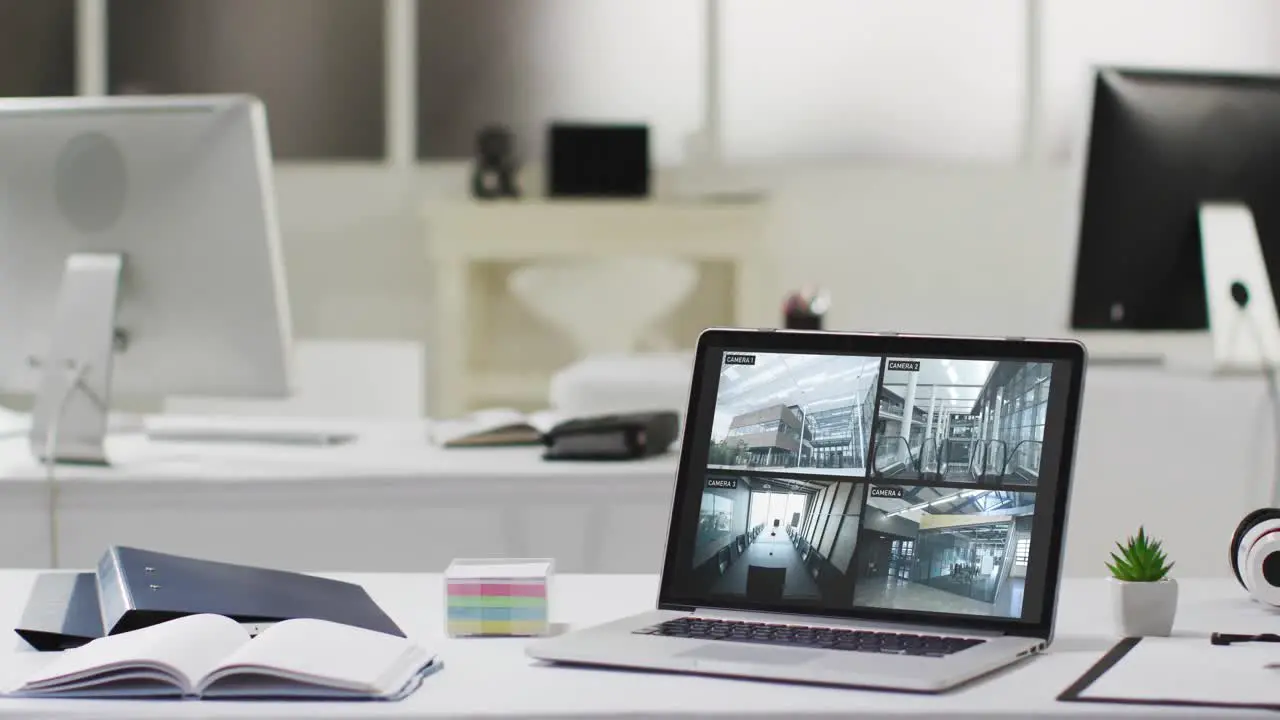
point(815, 381)
point(947, 383)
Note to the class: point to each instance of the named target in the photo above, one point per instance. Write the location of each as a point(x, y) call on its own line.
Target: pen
point(1229, 638)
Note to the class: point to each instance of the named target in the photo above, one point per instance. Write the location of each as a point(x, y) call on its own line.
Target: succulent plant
point(1141, 559)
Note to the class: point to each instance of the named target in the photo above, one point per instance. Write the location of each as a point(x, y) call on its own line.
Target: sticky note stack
point(497, 598)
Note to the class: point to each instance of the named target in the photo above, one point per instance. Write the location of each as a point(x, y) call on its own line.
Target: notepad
point(212, 656)
point(504, 598)
point(1183, 671)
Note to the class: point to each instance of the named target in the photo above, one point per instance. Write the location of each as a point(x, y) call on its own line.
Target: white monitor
point(139, 253)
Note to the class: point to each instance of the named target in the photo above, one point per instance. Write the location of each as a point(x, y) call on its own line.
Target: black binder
point(612, 437)
point(62, 611)
point(138, 588)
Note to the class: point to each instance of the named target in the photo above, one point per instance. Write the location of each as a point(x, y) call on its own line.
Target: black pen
point(1229, 638)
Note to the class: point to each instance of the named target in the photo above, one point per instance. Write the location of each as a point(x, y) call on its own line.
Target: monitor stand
point(1243, 324)
point(69, 420)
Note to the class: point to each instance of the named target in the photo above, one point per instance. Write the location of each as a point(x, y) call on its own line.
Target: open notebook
point(212, 656)
point(493, 427)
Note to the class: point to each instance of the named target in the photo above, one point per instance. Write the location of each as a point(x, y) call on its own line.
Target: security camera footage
point(978, 421)
point(801, 414)
point(771, 539)
point(945, 550)
point(905, 484)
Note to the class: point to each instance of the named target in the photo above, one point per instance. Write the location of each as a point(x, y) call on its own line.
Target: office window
point(719, 522)
point(1022, 551)
point(523, 64)
point(835, 518)
point(317, 64)
point(1022, 417)
point(37, 48)
point(820, 507)
point(927, 79)
point(1173, 34)
point(846, 542)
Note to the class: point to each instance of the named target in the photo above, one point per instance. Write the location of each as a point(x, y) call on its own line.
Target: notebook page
point(1192, 670)
point(324, 653)
point(189, 646)
point(478, 422)
point(544, 420)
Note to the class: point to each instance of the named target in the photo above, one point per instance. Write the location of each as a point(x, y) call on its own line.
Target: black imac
point(1160, 145)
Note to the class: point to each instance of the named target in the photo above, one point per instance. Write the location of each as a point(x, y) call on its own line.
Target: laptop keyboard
point(811, 637)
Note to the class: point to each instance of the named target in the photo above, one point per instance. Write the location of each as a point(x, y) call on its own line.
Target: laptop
point(865, 510)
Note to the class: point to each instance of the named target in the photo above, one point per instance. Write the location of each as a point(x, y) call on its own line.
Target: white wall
point(983, 249)
point(928, 248)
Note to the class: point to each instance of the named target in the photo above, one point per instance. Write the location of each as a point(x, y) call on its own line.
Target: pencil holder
point(497, 598)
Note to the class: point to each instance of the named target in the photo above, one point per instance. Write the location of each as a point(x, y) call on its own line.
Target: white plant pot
point(1144, 609)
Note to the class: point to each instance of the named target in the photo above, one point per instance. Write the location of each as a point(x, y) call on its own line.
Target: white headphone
point(1255, 554)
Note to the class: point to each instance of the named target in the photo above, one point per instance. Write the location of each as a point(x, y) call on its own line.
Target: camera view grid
point(943, 523)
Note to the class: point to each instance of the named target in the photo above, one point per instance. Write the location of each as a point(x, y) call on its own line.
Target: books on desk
point(620, 436)
point(494, 427)
point(212, 656)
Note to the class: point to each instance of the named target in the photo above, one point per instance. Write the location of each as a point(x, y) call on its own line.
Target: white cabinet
point(489, 351)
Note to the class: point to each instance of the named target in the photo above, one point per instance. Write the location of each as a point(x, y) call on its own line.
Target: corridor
point(771, 549)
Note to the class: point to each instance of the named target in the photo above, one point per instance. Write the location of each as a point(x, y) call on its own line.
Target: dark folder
point(626, 436)
point(138, 588)
point(62, 611)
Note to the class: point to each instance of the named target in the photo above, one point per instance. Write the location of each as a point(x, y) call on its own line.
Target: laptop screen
point(837, 483)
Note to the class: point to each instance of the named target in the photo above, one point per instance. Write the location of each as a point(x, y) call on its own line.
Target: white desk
point(389, 502)
point(493, 677)
point(1186, 455)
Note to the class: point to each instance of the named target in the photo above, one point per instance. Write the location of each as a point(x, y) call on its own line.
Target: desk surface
point(394, 495)
point(405, 506)
point(494, 678)
point(388, 450)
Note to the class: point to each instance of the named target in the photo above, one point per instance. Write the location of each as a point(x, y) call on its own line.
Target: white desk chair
point(334, 379)
point(604, 306)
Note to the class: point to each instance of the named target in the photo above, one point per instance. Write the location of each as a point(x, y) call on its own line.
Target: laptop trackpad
point(721, 652)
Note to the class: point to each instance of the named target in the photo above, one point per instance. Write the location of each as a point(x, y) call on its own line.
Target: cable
point(1240, 294)
point(77, 372)
point(1273, 390)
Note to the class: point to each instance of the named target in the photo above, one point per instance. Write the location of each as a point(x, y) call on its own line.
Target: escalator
point(1023, 464)
point(995, 464)
point(990, 463)
point(893, 459)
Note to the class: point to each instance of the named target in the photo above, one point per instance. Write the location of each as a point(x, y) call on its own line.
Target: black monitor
point(1160, 144)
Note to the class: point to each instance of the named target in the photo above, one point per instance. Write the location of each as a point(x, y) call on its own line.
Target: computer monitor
point(1179, 206)
point(139, 253)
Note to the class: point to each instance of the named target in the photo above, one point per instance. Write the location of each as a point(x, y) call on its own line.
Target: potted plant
point(1143, 596)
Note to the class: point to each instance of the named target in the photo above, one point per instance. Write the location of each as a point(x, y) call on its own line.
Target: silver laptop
point(868, 510)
